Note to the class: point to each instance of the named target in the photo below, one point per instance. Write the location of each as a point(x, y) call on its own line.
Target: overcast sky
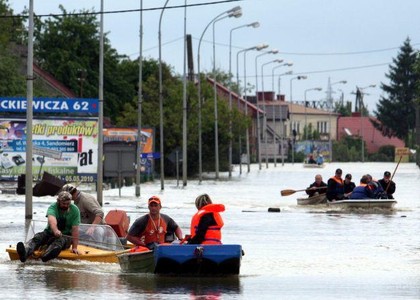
point(338, 39)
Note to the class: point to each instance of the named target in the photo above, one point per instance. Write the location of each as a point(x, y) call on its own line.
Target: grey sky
point(341, 39)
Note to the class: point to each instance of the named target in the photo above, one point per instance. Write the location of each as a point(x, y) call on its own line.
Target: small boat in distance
point(314, 200)
point(364, 203)
point(314, 166)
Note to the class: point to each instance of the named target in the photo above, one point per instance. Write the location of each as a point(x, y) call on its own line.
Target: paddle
point(291, 192)
point(393, 174)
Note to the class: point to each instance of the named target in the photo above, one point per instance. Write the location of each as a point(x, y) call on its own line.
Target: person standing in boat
point(362, 191)
point(153, 228)
point(335, 186)
point(348, 186)
point(318, 187)
point(61, 232)
point(388, 185)
point(207, 223)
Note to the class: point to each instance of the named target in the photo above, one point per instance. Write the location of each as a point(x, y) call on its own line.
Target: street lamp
point(331, 107)
point(265, 116)
point(162, 158)
point(306, 116)
point(139, 104)
point(253, 25)
point(258, 48)
point(274, 109)
point(274, 51)
point(236, 14)
point(230, 13)
point(282, 125)
point(293, 131)
point(360, 93)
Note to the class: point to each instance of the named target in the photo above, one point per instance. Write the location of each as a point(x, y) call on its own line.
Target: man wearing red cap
point(154, 227)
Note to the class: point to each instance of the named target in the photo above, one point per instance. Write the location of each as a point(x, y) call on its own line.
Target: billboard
point(66, 148)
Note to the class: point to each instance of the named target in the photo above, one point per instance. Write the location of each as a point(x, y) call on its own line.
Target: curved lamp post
point(264, 108)
point(362, 93)
point(274, 51)
point(331, 107)
point(300, 77)
point(282, 125)
point(306, 105)
point(162, 158)
point(236, 14)
point(230, 13)
point(253, 25)
point(258, 48)
point(288, 64)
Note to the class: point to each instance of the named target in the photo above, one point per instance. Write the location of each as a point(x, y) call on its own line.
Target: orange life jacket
point(155, 231)
point(214, 233)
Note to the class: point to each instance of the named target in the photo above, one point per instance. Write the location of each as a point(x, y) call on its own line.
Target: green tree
point(74, 58)
point(12, 83)
point(396, 111)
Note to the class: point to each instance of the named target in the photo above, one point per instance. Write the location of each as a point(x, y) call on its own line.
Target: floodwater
point(298, 253)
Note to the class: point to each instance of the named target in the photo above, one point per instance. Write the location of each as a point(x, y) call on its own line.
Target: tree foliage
point(396, 110)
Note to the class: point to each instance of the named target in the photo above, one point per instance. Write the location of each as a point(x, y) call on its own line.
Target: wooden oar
point(291, 192)
point(393, 174)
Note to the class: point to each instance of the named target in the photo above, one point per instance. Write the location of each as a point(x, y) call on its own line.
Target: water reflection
point(193, 286)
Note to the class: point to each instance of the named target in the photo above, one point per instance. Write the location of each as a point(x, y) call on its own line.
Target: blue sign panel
point(50, 105)
point(154, 155)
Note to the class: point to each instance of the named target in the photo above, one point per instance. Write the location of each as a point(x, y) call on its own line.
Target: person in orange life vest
point(362, 191)
point(335, 186)
point(207, 223)
point(151, 229)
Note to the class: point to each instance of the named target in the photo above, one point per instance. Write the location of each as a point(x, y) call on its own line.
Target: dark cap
point(387, 174)
point(339, 171)
point(348, 176)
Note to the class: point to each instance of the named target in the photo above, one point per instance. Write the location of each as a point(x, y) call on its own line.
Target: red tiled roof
point(49, 79)
point(358, 126)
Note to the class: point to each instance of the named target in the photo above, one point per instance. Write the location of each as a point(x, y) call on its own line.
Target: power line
point(122, 11)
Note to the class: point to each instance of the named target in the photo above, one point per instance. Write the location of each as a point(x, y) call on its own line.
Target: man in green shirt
point(61, 232)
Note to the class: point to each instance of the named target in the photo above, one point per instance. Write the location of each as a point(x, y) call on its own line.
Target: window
point(322, 127)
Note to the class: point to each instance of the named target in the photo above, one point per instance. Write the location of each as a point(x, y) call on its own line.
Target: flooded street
point(300, 252)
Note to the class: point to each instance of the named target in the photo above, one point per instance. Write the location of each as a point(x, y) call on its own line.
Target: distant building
point(362, 127)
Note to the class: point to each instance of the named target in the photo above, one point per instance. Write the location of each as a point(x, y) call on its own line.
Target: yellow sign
point(402, 152)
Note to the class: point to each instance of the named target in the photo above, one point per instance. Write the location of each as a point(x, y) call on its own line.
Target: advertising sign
point(66, 148)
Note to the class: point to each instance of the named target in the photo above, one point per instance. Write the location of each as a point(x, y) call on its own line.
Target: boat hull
point(314, 200)
point(86, 253)
point(314, 166)
point(175, 259)
point(364, 203)
point(137, 262)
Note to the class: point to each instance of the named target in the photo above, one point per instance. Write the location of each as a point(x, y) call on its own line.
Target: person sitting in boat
point(206, 224)
point(91, 211)
point(388, 185)
point(311, 159)
point(61, 232)
point(335, 186)
point(348, 186)
point(320, 160)
point(375, 187)
point(153, 228)
point(318, 187)
point(362, 191)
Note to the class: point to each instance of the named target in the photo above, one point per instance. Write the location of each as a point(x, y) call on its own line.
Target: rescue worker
point(317, 187)
point(388, 185)
point(206, 224)
point(153, 228)
point(362, 191)
point(61, 232)
point(348, 186)
point(335, 188)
